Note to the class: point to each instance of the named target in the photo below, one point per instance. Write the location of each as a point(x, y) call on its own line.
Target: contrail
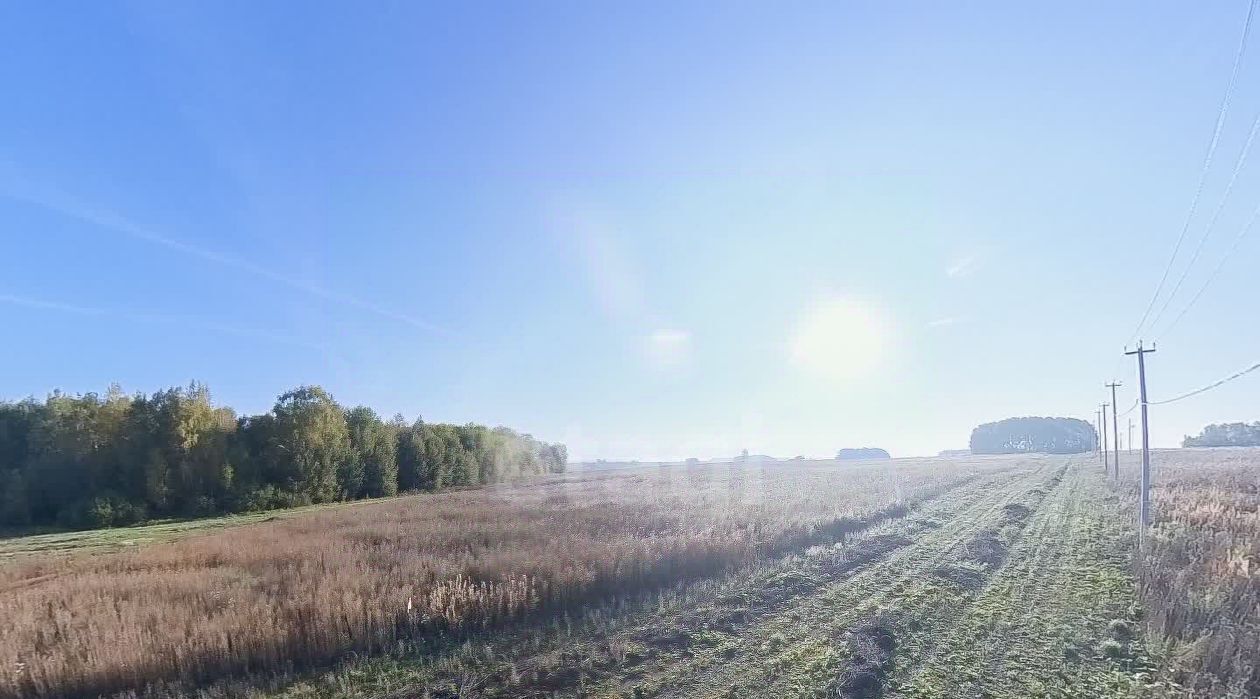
point(118, 224)
point(141, 317)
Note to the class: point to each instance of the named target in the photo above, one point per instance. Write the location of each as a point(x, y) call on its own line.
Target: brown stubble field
point(305, 591)
point(429, 595)
point(1199, 576)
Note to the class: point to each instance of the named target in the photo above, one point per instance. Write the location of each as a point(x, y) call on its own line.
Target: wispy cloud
point(145, 317)
point(115, 223)
point(668, 348)
point(945, 322)
point(962, 267)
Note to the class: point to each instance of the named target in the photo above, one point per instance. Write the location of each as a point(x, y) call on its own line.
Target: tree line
point(1048, 435)
point(1232, 434)
point(95, 461)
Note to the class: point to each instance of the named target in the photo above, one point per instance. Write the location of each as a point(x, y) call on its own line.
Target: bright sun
point(839, 339)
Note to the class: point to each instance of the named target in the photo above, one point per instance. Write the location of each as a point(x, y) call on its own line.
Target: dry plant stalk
point(308, 590)
point(1200, 575)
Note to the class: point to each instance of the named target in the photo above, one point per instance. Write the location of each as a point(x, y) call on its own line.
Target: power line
point(1207, 164)
point(1198, 248)
point(1219, 265)
point(1210, 386)
point(1131, 407)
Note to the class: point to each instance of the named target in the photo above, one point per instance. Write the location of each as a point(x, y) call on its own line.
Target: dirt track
point(1008, 585)
point(1011, 583)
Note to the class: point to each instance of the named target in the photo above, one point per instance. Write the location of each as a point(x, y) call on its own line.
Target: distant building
point(955, 452)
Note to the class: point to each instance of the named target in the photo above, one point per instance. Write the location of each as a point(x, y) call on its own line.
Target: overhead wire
point(1242, 233)
point(1208, 387)
point(1207, 164)
point(1198, 248)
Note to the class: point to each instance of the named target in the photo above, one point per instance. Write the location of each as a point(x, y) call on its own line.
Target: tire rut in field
point(1036, 629)
point(804, 650)
point(758, 642)
point(973, 568)
point(930, 606)
point(775, 586)
point(892, 599)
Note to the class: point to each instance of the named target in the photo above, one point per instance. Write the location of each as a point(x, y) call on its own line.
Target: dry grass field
point(307, 590)
point(996, 576)
point(1015, 583)
point(1200, 574)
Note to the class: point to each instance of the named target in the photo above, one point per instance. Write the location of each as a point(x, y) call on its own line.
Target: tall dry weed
point(308, 590)
point(1199, 575)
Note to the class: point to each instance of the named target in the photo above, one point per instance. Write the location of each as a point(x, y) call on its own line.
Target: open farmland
point(1200, 572)
point(994, 576)
point(1009, 585)
point(308, 590)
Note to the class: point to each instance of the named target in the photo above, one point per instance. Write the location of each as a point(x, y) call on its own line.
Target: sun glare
point(839, 340)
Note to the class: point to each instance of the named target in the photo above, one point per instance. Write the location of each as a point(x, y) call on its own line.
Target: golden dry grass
point(305, 591)
point(1200, 573)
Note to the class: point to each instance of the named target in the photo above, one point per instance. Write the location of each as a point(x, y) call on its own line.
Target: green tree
point(313, 442)
point(15, 507)
point(1233, 434)
point(63, 449)
point(372, 469)
point(253, 453)
point(411, 455)
point(93, 460)
point(17, 421)
point(1018, 435)
point(144, 472)
point(201, 436)
point(556, 457)
point(441, 454)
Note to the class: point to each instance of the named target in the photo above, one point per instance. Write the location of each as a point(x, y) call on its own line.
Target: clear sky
point(650, 230)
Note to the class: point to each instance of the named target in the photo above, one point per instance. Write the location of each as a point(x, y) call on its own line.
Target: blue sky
point(648, 230)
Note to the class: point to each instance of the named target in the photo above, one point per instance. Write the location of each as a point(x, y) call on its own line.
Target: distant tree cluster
point(1233, 434)
point(858, 453)
point(93, 461)
point(1020, 435)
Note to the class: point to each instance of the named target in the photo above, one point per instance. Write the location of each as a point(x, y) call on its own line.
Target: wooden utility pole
point(1098, 434)
point(1115, 430)
point(1144, 509)
point(1106, 466)
point(1130, 436)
